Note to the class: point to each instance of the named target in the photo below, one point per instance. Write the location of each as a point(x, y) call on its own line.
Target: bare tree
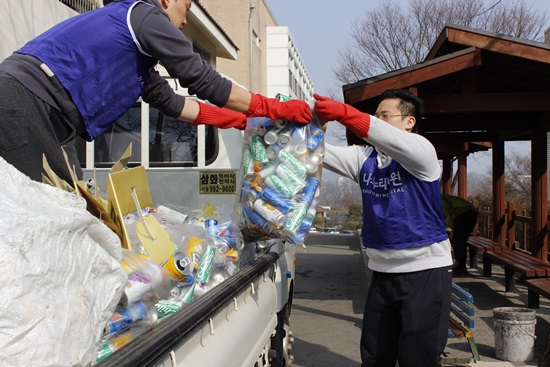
point(390, 37)
point(518, 179)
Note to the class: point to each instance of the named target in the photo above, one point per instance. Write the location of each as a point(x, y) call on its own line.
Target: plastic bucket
point(514, 333)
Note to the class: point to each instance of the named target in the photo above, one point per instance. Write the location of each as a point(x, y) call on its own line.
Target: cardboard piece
point(51, 178)
point(96, 208)
point(122, 163)
point(153, 237)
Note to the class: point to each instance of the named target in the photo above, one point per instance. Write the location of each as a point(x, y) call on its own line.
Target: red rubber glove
point(328, 109)
point(220, 117)
point(293, 110)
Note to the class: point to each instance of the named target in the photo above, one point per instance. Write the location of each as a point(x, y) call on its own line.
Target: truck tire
point(281, 342)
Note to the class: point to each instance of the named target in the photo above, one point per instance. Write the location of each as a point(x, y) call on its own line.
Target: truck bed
point(198, 331)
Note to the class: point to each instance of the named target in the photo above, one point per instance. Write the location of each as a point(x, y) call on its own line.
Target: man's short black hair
point(410, 105)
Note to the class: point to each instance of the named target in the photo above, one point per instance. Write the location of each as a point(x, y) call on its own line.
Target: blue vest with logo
point(97, 60)
point(399, 210)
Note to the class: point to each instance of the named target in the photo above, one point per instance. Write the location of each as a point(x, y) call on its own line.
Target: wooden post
point(462, 175)
point(539, 198)
point(511, 225)
point(499, 193)
point(447, 175)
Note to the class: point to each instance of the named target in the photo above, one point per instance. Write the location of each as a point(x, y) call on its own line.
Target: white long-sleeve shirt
point(418, 156)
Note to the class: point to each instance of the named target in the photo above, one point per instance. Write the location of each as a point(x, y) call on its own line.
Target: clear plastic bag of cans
point(206, 256)
point(282, 166)
point(135, 313)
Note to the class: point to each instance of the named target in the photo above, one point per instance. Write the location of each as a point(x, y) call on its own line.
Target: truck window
point(110, 146)
point(174, 143)
point(171, 143)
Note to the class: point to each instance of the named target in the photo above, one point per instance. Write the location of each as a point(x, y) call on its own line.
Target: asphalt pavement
point(329, 297)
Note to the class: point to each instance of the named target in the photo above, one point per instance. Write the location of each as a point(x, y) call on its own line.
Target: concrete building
point(268, 60)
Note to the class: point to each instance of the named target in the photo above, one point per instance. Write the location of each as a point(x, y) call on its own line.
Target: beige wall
point(236, 18)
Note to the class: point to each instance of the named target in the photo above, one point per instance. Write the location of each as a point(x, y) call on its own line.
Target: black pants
point(463, 226)
point(406, 319)
point(29, 128)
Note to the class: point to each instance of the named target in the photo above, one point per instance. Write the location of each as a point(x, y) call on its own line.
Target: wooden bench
point(521, 262)
point(461, 322)
point(483, 245)
point(537, 287)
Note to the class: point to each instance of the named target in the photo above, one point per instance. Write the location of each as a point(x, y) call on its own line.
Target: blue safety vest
point(96, 58)
point(399, 210)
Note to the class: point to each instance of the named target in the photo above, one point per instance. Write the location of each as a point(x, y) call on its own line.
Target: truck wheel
point(281, 342)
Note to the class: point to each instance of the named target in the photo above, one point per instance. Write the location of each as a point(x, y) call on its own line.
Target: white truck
point(242, 322)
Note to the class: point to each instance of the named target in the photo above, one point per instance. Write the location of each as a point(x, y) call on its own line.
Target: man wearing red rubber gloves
point(80, 76)
point(408, 304)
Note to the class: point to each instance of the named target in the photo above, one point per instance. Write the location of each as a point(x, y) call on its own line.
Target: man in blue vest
point(408, 303)
point(80, 76)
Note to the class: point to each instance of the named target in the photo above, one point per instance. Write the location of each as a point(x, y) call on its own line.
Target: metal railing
point(83, 6)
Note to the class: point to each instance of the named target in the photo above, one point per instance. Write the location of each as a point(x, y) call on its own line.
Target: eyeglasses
point(386, 116)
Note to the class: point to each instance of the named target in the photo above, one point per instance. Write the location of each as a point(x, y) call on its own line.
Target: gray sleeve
point(163, 41)
point(159, 94)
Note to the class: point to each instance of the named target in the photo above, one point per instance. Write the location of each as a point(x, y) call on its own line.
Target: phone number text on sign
point(218, 182)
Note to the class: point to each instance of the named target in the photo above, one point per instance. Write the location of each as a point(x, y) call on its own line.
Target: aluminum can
point(271, 135)
point(257, 219)
point(258, 153)
point(308, 193)
point(137, 287)
point(178, 265)
point(299, 139)
point(274, 198)
point(248, 165)
point(235, 241)
point(205, 267)
point(298, 238)
point(290, 178)
point(314, 158)
point(269, 212)
point(253, 195)
point(311, 167)
point(292, 163)
point(268, 170)
point(166, 307)
point(113, 344)
point(270, 124)
point(245, 188)
point(211, 226)
point(314, 138)
point(282, 98)
point(285, 136)
point(272, 151)
point(295, 219)
point(286, 189)
point(124, 318)
point(195, 248)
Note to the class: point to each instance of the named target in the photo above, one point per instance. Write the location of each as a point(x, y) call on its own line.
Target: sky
point(320, 28)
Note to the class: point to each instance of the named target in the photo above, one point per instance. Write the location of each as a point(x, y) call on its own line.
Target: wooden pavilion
point(480, 90)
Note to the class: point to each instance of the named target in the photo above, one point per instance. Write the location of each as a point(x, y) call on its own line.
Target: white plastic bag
point(60, 275)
